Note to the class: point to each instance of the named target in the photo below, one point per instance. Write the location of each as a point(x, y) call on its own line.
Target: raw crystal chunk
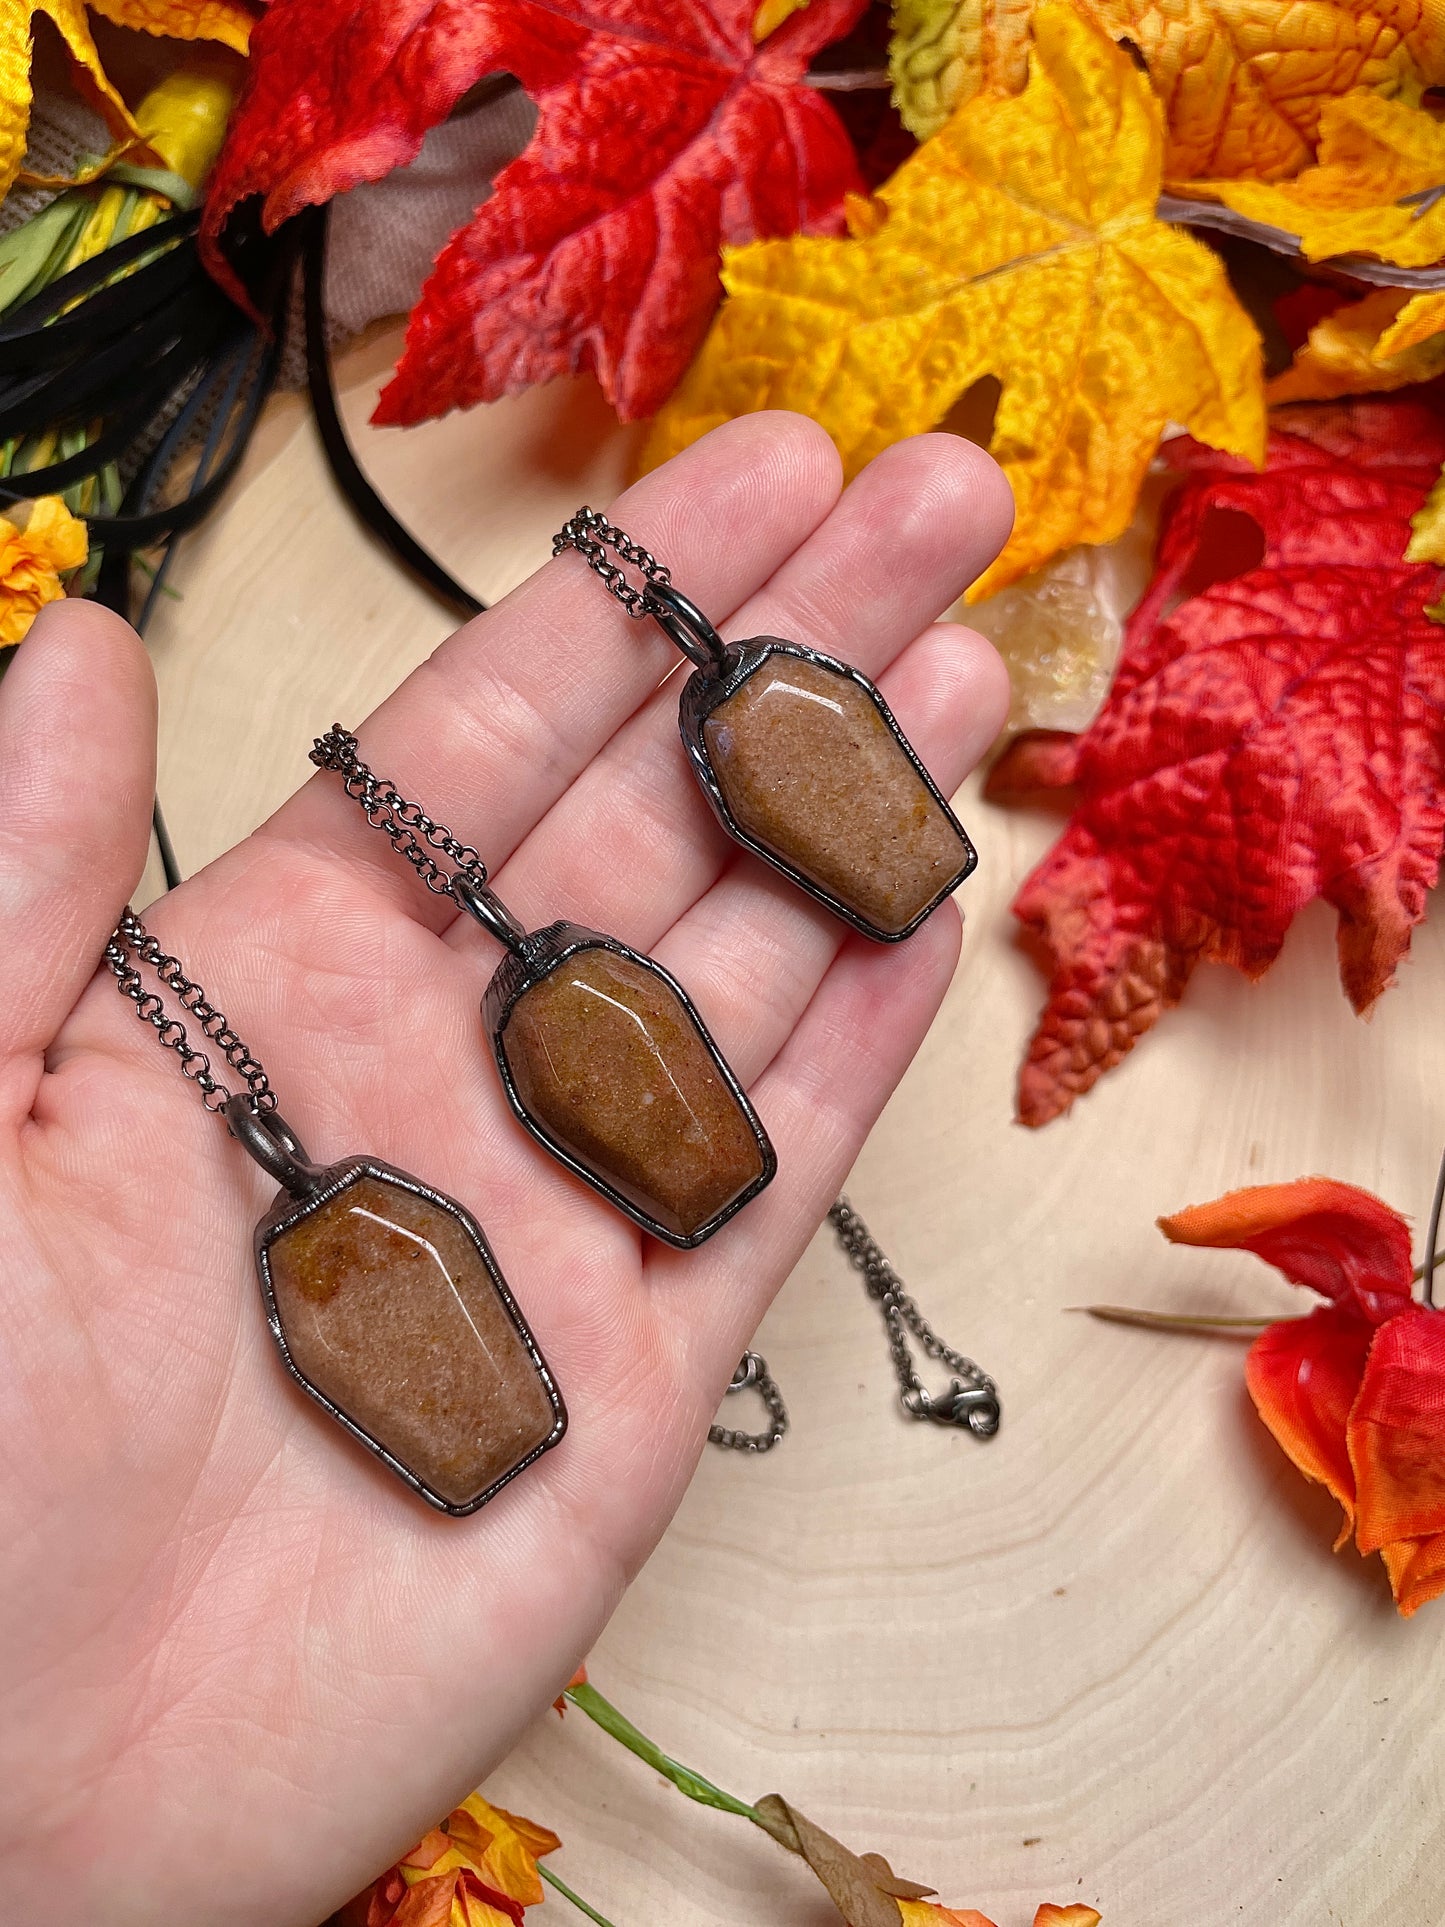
point(810, 769)
point(608, 1060)
point(389, 1311)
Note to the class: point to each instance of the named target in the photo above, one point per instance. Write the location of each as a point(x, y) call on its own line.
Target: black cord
point(368, 507)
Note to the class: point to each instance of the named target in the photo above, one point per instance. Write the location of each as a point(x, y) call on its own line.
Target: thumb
point(77, 786)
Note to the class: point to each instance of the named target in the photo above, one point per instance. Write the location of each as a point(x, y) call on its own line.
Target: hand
point(243, 1667)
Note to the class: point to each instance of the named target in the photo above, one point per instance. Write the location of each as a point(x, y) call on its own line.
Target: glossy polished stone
point(605, 1056)
point(388, 1311)
point(810, 769)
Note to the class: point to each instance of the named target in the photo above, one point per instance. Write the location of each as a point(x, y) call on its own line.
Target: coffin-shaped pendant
point(802, 761)
point(389, 1309)
point(601, 1053)
point(606, 1062)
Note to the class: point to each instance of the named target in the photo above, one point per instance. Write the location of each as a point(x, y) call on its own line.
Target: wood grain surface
point(1108, 1656)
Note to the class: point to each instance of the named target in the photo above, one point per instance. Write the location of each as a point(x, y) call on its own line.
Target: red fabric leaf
point(1277, 736)
point(1303, 1375)
point(1397, 1433)
point(1333, 1238)
point(663, 131)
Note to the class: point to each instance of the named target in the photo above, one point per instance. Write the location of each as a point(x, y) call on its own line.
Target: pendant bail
point(481, 901)
point(269, 1139)
point(686, 625)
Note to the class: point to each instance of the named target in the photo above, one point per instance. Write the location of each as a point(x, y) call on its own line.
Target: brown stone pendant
point(798, 754)
point(803, 762)
point(601, 1053)
point(389, 1309)
point(606, 1062)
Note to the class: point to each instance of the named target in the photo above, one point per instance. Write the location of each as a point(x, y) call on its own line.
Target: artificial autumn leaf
point(223, 20)
point(1388, 339)
point(1427, 526)
point(1355, 1392)
point(1277, 737)
point(863, 1887)
point(1374, 155)
point(1243, 82)
point(228, 21)
point(663, 131)
point(1021, 243)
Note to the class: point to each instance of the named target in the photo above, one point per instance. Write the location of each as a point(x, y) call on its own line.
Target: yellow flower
point(183, 119)
point(40, 542)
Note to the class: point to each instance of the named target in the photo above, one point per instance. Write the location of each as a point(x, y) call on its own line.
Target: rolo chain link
point(130, 938)
point(591, 535)
point(972, 1398)
point(406, 826)
point(752, 1372)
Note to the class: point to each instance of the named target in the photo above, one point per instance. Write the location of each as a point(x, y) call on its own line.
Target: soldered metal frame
point(708, 688)
point(317, 1187)
point(534, 958)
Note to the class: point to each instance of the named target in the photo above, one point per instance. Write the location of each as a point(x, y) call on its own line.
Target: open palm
point(242, 1666)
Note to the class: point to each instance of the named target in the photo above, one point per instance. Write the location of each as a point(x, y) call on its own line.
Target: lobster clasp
point(974, 1406)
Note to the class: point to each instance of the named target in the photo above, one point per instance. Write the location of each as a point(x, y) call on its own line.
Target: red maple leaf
point(663, 131)
point(1275, 737)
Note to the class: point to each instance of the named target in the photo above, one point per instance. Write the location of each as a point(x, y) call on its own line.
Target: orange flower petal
point(927, 1913)
point(427, 1904)
point(1303, 1375)
point(1335, 1238)
point(1397, 1433)
point(1417, 1571)
point(428, 1850)
point(1076, 1916)
point(510, 1847)
point(475, 1904)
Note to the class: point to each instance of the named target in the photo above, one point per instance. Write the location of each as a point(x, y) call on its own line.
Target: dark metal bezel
point(540, 954)
point(704, 692)
point(288, 1210)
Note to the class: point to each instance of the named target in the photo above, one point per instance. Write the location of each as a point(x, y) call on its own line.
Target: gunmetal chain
point(752, 1372)
point(591, 535)
point(407, 827)
point(130, 936)
point(972, 1398)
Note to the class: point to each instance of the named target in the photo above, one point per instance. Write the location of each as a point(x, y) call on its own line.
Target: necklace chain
point(130, 938)
point(971, 1399)
point(407, 827)
point(980, 1411)
point(591, 535)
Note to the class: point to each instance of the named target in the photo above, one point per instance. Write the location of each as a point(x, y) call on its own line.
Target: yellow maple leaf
point(228, 21)
point(1427, 542)
point(1242, 81)
point(1373, 190)
point(224, 20)
point(1389, 339)
point(1020, 243)
point(772, 13)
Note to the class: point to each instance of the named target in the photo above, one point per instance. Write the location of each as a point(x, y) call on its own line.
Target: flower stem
point(556, 1880)
point(588, 1700)
point(1166, 1321)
